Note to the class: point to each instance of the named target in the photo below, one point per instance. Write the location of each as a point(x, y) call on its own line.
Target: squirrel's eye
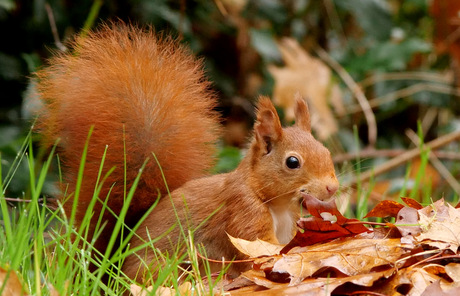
point(292, 162)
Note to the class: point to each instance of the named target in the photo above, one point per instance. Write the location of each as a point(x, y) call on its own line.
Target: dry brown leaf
point(420, 279)
point(416, 280)
point(407, 222)
point(403, 269)
point(438, 209)
point(255, 248)
point(386, 208)
point(440, 226)
point(436, 289)
point(312, 78)
point(453, 271)
point(258, 277)
point(184, 289)
point(53, 291)
point(350, 256)
point(313, 286)
point(325, 223)
point(412, 202)
point(13, 285)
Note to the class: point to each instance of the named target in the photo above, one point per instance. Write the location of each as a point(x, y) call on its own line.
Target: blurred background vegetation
point(376, 74)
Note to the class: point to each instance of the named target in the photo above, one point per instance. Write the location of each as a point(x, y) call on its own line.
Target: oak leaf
point(317, 229)
point(407, 222)
point(386, 208)
point(440, 225)
point(412, 203)
point(255, 248)
point(350, 256)
point(436, 289)
point(310, 287)
point(313, 79)
point(453, 271)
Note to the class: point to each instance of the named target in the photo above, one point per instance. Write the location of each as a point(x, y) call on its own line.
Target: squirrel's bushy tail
point(143, 94)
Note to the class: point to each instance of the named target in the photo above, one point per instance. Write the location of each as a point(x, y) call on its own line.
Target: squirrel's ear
point(268, 128)
point(302, 115)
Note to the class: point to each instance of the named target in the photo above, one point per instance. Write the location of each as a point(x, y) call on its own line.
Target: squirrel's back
point(144, 95)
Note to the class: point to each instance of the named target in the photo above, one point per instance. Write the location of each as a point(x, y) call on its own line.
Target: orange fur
point(138, 90)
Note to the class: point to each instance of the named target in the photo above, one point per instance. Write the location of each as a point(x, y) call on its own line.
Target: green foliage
point(229, 158)
point(373, 16)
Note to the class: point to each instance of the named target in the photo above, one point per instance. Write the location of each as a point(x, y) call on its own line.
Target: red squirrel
point(146, 95)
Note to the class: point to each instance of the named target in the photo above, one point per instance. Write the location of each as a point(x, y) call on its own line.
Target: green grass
point(50, 254)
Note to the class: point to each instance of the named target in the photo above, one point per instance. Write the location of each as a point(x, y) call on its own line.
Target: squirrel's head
point(288, 161)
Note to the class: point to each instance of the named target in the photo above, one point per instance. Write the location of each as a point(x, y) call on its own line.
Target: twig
point(364, 292)
point(428, 119)
point(437, 255)
point(436, 258)
point(224, 261)
point(366, 222)
point(13, 199)
point(427, 76)
point(422, 255)
point(54, 30)
point(405, 92)
point(437, 164)
point(373, 153)
point(21, 200)
point(334, 18)
point(406, 156)
point(357, 92)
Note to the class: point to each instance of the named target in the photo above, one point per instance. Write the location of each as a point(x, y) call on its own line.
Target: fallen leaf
point(242, 283)
point(312, 286)
point(10, 282)
point(255, 248)
point(350, 256)
point(435, 289)
point(258, 278)
point(453, 271)
point(440, 223)
point(313, 79)
point(316, 229)
point(184, 289)
point(438, 209)
point(421, 279)
point(407, 222)
point(412, 203)
point(386, 208)
point(375, 261)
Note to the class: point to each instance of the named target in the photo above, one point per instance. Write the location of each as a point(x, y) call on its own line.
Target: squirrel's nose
point(332, 188)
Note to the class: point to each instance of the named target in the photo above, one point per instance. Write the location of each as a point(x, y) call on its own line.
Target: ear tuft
point(302, 115)
point(268, 128)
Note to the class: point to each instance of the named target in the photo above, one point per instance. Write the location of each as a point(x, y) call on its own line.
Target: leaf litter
point(415, 255)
